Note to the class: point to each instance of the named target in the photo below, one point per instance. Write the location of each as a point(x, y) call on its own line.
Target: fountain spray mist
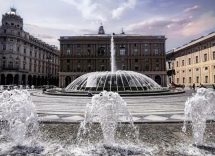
point(20, 115)
point(197, 110)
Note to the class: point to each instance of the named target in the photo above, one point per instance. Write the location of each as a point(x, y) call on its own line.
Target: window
point(136, 60)
point(123, 67)
point(156, 52)
point(68, 51)
point(122, 51)
point(206, 79)
point(177, 63)
point(183, 79)
point(205, 57)
point(189, 61)
point(197, 79)
point(189, 70)
point(136, 68)
point(189, 79)
point(4, 47)
point(68, 68)
point(214, 55)
point(197, 69)
point(214, 78)
point(182, 62)
point(197, 59)
point(67, 60)
point(78, 46)
point(177, 80)
point(206, 68)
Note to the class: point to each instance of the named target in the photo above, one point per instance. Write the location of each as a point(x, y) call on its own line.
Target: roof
point(193, 42)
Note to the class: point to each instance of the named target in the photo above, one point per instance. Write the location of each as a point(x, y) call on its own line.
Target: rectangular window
point(4, 47)
point(122, 51)
point(182, 62)
point(206, 68)
point(214, 55)
point(156, 52)
point(189, 61)
point(214, 78)
point(177, 80)
point(189, 79)
point(136, 60)
point(177, 63)
point(197, 79)
point(183, 79)
point(205, 57)
point(197, 59)
point(68, 51)
point(206, 79)
point(136, 68)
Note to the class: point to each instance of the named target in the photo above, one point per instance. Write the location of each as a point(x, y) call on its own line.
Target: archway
point(42, 80)
point(34, 80)
point(67, 80)
point(16, 79)
point(29, 80)
point(158, 79)
point(9, 79)
point(38, 81)
point(23, 79)
point(2, 79)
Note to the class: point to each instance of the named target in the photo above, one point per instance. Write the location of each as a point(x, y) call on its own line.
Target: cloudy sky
point(179, 20)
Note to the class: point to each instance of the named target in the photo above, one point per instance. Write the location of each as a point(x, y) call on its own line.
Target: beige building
point(24, 59)
point(194, 62)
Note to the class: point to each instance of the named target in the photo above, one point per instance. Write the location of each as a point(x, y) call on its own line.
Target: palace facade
point(193, 63)
point(24, 59)
point(89, 53)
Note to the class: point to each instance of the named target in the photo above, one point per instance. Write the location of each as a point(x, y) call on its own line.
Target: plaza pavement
point(168, 108)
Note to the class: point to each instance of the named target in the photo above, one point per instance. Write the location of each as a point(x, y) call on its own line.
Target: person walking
point(194, 86)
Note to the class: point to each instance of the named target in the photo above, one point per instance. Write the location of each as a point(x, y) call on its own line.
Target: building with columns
point(24, 59)
point(193, 63)
point(91, 52)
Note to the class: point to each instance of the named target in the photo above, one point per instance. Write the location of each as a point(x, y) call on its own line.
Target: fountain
point(113, 60)
point(198, 109)
point(21, 122)
point(107, 108)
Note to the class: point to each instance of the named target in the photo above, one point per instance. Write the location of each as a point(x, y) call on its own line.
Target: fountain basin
point(155, 139)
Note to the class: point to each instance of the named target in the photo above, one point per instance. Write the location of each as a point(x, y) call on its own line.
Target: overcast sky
point(179, 20)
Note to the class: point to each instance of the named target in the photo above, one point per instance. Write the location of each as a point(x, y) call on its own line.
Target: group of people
point(201, 86)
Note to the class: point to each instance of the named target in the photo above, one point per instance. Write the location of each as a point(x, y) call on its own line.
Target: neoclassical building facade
point(194, 63)
point(24, 59)
point(91, 52)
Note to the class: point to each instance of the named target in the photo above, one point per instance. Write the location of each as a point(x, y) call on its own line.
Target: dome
point(119, 81)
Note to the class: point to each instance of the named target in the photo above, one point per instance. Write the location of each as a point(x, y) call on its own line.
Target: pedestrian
point(194, 86)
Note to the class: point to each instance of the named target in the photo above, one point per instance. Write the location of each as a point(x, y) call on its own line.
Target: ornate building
point(88, 53)
point(25, 59)
point(194, 62)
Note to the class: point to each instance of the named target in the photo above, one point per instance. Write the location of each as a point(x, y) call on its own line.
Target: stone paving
point(168, 108)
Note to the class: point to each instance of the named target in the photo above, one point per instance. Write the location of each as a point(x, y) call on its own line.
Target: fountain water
point(21, 120)
point(107, 108)
point(198, 109)
point(113, 60)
